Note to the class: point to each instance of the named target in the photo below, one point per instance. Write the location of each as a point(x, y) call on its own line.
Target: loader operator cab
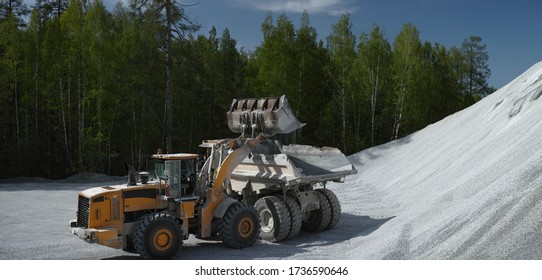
point(179, 173)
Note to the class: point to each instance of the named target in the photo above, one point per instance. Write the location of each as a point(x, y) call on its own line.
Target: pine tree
point(49, 9)
point(175, 25)
point(98, 49)
point(311, 94)
point(276, 58)
point(11, 64)
point(16, 9)
point(476, 66)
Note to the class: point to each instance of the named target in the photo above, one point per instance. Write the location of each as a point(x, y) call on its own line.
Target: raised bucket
point(268, 116)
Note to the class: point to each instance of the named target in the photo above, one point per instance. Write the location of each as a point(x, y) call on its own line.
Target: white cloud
point(331, 7)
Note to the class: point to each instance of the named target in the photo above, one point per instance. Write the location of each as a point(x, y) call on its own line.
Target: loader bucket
point(269, 116)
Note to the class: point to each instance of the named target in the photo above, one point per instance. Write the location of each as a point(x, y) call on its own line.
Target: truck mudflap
point(107, 236)
point(268, 116)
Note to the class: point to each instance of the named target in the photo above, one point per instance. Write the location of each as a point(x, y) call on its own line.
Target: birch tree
point(405, 54)
point(375, 58)
point(341, 46)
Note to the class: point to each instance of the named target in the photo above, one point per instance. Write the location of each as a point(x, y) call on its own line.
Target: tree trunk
point(374, 93)
point(16, 93)
point(81, 121)
point(134, 130)
point(99, 95)
point(169, 83)
point(109, 138)
point(343, 117)
point(399, 114)
point(58, 8)
point(36, 88)
point(63, 115)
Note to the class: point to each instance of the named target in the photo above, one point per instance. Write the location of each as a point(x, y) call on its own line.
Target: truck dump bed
point(272, 166)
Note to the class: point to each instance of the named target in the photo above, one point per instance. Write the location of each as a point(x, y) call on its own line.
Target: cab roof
point(180, 156)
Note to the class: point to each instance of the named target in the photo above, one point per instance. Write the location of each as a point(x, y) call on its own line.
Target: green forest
point(85, 89)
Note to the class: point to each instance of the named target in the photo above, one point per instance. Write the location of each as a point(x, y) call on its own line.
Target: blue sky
point(512, 30)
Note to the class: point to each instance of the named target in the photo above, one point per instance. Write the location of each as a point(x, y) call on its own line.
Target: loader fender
point(223, 207)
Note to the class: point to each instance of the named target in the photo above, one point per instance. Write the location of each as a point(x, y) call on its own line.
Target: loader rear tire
point(335, 207)
point(158, 236)
point(318, 219)
point(274, 217)
point(296, 217)
point(239, 228)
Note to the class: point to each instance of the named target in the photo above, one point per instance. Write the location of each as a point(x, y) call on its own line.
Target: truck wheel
point(335, 207)
point(239, 228)
point(296, 218)
point(318, 219)
point(158, 236)
point(274, 218)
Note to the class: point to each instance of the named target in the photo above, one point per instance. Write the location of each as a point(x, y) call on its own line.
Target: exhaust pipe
point(132, 180)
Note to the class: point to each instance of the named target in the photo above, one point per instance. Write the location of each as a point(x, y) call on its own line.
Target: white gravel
point(467, 187)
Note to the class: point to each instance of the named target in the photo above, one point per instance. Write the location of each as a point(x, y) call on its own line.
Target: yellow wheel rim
point(163, 239)
point(246, 227)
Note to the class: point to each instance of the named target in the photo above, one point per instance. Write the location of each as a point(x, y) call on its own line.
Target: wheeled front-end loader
point(247, 187)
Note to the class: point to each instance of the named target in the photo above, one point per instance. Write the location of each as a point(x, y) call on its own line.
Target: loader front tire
point(239, 228)
point(335, 207)
point(274, 217)
point(158, 236)
point(318, 219)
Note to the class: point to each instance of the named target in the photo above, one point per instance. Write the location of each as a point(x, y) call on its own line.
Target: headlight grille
point(83, 211)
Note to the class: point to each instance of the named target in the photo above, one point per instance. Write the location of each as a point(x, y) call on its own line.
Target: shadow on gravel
point(364, 225)
point(376, 152)
point(54, 186)
point(86, 180)
point(125, 257)
point(350, 226)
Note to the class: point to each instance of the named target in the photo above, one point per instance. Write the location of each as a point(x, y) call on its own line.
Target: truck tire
point(274, 217)
point(158, 236)
point(335, 207)
point(318, 219)
point(296, 218)
point(239, 228)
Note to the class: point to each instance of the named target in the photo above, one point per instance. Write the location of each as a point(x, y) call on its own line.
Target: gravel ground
point(36, 227)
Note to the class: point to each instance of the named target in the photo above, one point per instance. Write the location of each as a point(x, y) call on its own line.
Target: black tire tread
point(280, 212)
point(139, 235)
point(296, 217)
point(226, 227)
point(335, 207)
point(323, 215)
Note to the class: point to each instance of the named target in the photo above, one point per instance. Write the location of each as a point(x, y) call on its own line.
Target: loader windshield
point(180, 177)
point(159, 167)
